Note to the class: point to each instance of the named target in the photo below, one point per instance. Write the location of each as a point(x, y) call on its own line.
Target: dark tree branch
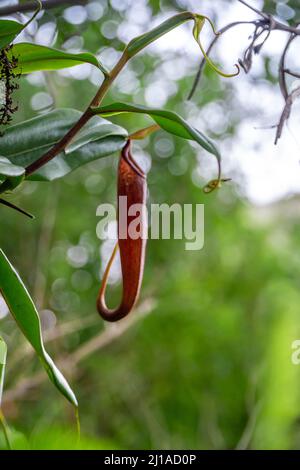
point(295, 94)
point(293, 74)
point(253, 48)
point(266, 23)
point(31, 6)
point(288, 97)
point(258, 12)
point(282, 72)
point(274, 24)
point(286, 112)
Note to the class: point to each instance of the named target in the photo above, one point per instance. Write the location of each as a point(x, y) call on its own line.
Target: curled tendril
point(216, 33)
point(198, 26)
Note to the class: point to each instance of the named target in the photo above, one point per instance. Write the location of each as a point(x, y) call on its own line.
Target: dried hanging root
point(7, 81)
point(131, 183)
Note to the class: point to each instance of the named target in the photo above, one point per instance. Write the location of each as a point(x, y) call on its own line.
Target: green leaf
point(140, 42)
point(63, 164)
point(95, 129)
point(24, 143)
point(14, 173)
point(167, 120)
point(32, 58)
point(26, 316)
point(8, 31)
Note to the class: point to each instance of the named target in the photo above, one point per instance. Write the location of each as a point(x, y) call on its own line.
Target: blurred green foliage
point(210, 366)
point(288, 10)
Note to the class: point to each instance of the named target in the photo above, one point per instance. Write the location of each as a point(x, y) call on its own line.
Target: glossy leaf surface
point(26, 316)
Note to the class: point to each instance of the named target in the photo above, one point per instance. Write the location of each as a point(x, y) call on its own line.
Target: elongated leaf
point(33, 57)
point(8, 31)
point(14, 173)
point(140, 42)
point(93, 131)
point(26, 316)
point(24, 143)
point(63, 164)
point(167, 120)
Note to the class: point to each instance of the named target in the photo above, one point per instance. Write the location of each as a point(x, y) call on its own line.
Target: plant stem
point(59, 146)
point(5, 430)
point(96, 101)
point(46, 4)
